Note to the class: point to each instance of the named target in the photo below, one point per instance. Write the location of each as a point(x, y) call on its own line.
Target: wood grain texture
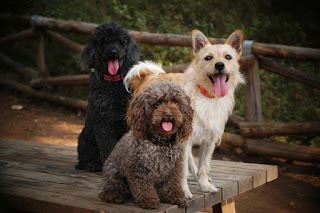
point(41, 178)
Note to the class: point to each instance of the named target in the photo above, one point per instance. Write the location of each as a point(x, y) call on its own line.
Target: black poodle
point(109, 54)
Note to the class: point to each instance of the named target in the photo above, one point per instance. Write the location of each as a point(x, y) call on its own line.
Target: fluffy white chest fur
point(210, 114)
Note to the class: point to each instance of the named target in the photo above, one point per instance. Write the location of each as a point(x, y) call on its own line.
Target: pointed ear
point(199, 40)
point(235, 40)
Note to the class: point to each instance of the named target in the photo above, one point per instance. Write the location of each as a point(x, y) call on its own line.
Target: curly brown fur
point(210, 81)
point(145, 170)
point(110, 52)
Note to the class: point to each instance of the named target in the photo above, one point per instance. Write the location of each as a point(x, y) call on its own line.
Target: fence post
point(42, 67)
point(253, 109)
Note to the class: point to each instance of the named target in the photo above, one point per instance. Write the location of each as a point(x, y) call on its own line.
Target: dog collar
point(157, 141)
point(117, 77)
point(204, 91)
point(114, 78)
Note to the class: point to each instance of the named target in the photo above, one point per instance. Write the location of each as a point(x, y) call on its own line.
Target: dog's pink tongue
point(220, 85)
point(166, 126)
point(113, 67)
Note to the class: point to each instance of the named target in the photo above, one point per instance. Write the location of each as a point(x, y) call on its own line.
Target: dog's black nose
point(113, 53)
point(168, 115)
point(219, 66)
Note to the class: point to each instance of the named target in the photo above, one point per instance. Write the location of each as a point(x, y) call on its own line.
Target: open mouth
point(219, 82)
point(113, 66)
point(167, 124)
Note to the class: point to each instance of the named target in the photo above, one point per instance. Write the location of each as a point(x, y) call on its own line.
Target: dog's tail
point(140, 73)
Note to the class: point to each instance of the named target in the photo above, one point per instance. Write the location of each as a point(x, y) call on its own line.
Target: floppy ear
point(136, 116)
point(187, 112)
point(133, 51)
point(87, 57)
point(235, 40)
point(199, 40)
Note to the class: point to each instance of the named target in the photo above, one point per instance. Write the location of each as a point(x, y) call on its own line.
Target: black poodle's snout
point(113, 54)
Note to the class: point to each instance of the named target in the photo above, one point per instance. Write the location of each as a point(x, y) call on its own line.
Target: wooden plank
point(44, 154)
point(282, 150)
point(302, 76)
point(259, 176)
point(49, 186)
point(29, 33)
point(27, 72)
point(55, 170)
point(39, 148)
point(58, 99)
point(285, 51)
point(35, 159)
point(209, 198)
point(253, 109)
point(78, 182)
point(41, 61)
point(48, 167)
point(17, 144)
point(65, 189)
point(196, 203)
point(228, 188)
point(67, 80)
point(272, 170)
point(245, 183)
point(265, 129)
point(45, 167)
point(226, 206)
point(64, 41)
point(43, 201)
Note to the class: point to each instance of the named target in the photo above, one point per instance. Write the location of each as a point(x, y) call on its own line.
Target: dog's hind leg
point(88, 151)
point(206, 150)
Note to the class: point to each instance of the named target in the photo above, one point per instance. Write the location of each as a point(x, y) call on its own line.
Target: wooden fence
point(252, 128)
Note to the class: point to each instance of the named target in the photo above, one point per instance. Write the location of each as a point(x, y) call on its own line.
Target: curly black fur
point(108, 100)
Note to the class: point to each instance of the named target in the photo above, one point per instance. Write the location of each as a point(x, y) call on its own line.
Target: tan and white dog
point(210, 82)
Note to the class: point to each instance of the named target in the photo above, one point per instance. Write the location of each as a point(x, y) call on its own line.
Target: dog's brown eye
point(208, 58)
point(228, 57)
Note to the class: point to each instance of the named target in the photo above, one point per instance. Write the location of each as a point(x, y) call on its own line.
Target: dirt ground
point(296, 190)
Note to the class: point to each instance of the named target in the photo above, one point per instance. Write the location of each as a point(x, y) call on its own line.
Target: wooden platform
point(41, 178)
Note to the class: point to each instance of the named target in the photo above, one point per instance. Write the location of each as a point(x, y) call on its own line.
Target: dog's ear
point(87, 57)
point(199, 40)
point(136, 116)
point(133, 51)
point(187, 112)
point(235, 40)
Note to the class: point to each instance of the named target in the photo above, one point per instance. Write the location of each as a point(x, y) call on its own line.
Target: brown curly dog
point(147, 162)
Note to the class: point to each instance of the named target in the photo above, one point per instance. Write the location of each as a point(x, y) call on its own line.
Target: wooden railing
point(251, 127)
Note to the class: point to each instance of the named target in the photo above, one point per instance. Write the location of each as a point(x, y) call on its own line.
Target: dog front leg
point(144, 192)
point(171, 191)
point(185, 171)
point(206, 150)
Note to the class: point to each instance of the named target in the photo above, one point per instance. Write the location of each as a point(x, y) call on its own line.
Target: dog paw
point(92, 168)
point(208, 188)
point(149, 205)
point(186, 190)
point(181, 203)
point(188, 194)
point(209, 179)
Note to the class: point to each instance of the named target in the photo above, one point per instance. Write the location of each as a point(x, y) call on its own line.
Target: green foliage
point(271, 21)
